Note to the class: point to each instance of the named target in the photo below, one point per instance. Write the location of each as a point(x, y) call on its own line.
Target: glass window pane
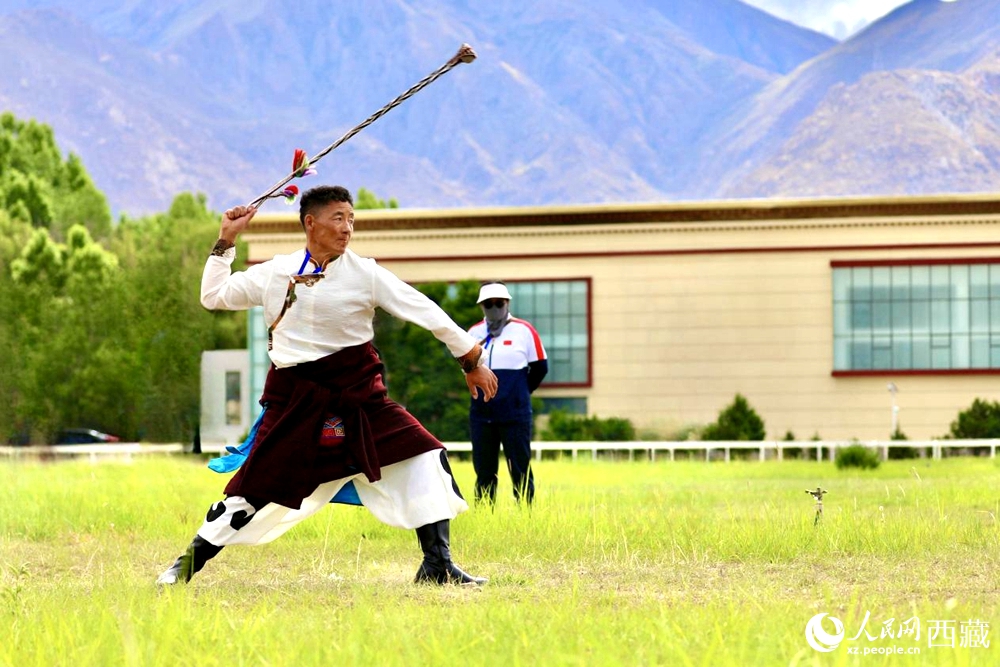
point(861, 355)
point(960, 316)
point(234, 403)
point(560, 298)
point(979, 353)
point(841, 353)
point(841, 318)
point(920, 315)
point(940, 316)
point(979, 281)
point(543, 298)
point(861, 284)
point(881, 316)
point(901, 353)
point(920, 282)
point(841, 284)
point(921, 352)
point(880, 283)
point(940, 358)
point(861, 316)
point(960, 351)
point(882, 357)
point(995, 280)
point(979, 315)
point(900, 283)
point(940, 282)
point(994, 314)
point(959, 282)
point(900, 316)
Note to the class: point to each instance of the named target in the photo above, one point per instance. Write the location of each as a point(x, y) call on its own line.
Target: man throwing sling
point(327, 421)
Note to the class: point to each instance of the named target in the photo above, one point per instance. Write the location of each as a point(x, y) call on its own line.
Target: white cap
point(493, 291)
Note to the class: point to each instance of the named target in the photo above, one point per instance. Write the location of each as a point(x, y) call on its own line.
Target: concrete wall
point(214, 367)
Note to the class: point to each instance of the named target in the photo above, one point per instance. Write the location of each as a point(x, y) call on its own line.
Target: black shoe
point(192, 560)
point(437, 567)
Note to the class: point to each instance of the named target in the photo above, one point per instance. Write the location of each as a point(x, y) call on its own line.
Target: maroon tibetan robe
point(288, 461)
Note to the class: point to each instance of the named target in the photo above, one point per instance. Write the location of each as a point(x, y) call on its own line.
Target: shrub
point(902, 452)
point(981, 420)
point(738, 421)
point(564, 427)
point(857, 456)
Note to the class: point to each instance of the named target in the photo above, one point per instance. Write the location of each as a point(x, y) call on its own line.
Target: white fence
point(765, 450)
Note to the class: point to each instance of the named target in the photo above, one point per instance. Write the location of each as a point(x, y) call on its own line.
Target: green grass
point(685, 563)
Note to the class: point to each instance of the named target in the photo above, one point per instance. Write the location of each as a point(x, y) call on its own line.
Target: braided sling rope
point(465, 55)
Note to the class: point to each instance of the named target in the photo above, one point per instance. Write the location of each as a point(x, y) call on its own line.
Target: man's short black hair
point(319, 197)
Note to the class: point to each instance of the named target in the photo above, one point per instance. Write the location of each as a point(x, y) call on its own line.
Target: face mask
point(496, 318)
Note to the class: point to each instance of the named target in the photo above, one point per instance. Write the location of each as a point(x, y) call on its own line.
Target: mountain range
point(568, 101)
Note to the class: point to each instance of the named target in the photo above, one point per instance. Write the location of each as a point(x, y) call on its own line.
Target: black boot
point(192, 560)
point(437, 567)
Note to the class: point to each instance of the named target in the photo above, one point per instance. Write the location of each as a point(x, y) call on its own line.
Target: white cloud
point(837, 18)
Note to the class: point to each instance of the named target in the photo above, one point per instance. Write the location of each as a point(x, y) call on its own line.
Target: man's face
point(329, 230)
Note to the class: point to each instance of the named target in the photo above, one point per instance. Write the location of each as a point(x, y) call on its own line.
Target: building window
point(572, 405)
point(560, 312)
point(234, 403)
point(909, 316)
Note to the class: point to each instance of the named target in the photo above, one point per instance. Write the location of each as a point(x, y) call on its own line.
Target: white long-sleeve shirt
point(335, 313)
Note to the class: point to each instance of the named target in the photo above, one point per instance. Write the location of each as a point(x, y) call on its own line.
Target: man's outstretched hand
point(481, 378)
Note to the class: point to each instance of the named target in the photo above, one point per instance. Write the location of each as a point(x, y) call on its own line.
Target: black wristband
point(221, 246)
point(469, 364)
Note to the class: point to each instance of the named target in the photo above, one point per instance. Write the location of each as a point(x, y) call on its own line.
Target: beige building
point(661, 313)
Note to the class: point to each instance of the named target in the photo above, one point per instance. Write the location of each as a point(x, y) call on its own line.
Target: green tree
point(63, 332)
point(980, 420)
point(100, 329)
point(367, 199)
point(14, 235)
point(420, 372)
point(39, 187)
point(162, 258)
point(738, 421)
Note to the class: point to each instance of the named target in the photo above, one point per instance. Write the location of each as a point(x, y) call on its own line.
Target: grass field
point(685, 563)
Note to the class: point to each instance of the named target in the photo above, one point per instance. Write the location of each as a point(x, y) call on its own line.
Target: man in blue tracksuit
point(514, 352)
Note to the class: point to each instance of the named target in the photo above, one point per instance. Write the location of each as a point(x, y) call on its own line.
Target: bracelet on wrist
point(470, 364)
point(221, 246)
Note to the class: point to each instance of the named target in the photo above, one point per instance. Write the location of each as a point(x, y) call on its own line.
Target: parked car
point(84, 436)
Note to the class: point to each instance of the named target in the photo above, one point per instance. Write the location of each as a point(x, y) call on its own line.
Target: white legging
point(411, 493)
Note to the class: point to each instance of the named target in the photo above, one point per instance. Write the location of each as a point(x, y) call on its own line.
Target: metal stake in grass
point(818, 495)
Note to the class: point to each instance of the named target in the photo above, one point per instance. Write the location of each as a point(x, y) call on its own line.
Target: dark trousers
point(487, 437)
